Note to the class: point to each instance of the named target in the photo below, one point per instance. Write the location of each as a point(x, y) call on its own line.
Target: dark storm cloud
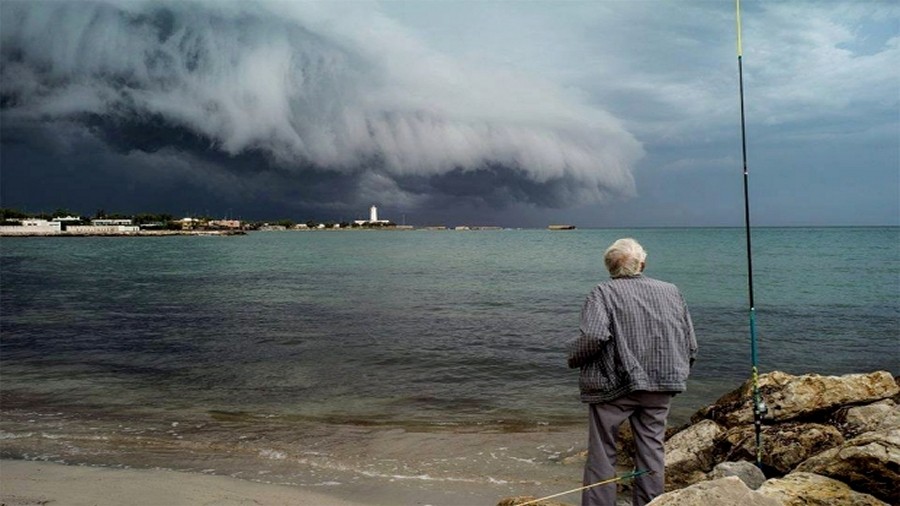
point(287, 104)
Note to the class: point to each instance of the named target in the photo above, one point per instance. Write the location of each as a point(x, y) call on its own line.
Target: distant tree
point(11, 217)
point(101, 214)
point(60, 212)
point(285, 223)
point(12, 214)
point(142, 218)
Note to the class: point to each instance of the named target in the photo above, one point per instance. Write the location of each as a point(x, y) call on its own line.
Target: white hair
point(624, 258)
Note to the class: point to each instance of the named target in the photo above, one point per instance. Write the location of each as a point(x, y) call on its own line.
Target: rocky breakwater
point(826, 440)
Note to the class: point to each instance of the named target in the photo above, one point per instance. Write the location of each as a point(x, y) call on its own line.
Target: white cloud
point(802, 71)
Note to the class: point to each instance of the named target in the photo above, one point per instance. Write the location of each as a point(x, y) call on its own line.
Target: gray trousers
point(646, 411)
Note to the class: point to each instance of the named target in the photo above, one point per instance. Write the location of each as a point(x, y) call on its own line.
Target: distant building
point(229, 224)
point(31, 226)
point(65, 220)
point(102, 229)
point(109, 222)
point(34, 222)
point(188, 223)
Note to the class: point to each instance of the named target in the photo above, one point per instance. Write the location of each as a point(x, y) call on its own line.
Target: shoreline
point(407, 228)
point(359, 465)
point(142, 233)
point(30, 483)
point(25, 482)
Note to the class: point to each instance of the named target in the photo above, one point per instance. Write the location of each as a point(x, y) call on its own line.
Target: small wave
point(420, 477)
point(272, 454)
point(527, 461)
point(393, 477)
point(10, 435)
point(73, 437)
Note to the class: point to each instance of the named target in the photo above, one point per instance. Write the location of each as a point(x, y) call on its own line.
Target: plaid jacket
point(636, 334)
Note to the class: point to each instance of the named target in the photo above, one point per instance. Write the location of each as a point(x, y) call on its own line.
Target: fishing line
point(759, 406)
point(634, 474)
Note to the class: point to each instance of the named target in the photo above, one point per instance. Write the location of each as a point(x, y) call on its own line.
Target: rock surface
point(784, 446)
point(690, 453)
point(828, 440)
point(870, 462)
point(729, 491)
point(790, 397)
point(747, 472)
point(807, 489)
point(855, 420)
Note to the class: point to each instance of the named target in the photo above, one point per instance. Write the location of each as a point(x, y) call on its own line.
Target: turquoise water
point(423, 331)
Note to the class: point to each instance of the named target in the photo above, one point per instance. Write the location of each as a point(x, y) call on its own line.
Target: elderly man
point(635, 351)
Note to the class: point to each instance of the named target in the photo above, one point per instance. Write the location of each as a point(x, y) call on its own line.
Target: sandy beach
point(30, 483)
point(24, 483)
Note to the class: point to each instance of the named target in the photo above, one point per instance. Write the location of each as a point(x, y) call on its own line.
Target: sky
point(519, 114)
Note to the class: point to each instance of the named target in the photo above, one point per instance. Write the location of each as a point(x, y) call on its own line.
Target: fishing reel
point(761, 409)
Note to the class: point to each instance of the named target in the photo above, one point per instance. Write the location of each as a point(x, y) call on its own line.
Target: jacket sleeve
point(689, 333)
point(593, 331)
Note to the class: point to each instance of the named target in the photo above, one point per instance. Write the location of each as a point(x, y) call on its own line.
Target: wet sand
point(32, 483)
point(36, 483)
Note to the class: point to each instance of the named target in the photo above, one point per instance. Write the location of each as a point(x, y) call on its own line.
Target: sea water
point(334, 358)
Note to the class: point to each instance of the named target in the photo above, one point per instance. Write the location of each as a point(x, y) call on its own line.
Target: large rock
point(729, 491)
point(855, 420)
point(751, 475)
point(807, 489)
point(784, 446)
point(690, 454)
point(789, 397)
point(870, 462)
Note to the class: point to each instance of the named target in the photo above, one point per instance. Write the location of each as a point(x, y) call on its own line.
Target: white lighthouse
point(373, 218)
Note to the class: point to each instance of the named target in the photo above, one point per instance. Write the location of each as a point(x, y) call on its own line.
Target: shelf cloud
point(304, 104)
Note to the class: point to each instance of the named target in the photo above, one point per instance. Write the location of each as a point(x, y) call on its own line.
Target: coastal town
point(66, 223)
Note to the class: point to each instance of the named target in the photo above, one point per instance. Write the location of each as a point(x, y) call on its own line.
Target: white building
point(102, 229)
point(32, 226)
point(68, 219)
point(107, 222)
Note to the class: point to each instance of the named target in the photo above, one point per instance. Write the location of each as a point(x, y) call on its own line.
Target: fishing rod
point(614, 479)
point(759, 407)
